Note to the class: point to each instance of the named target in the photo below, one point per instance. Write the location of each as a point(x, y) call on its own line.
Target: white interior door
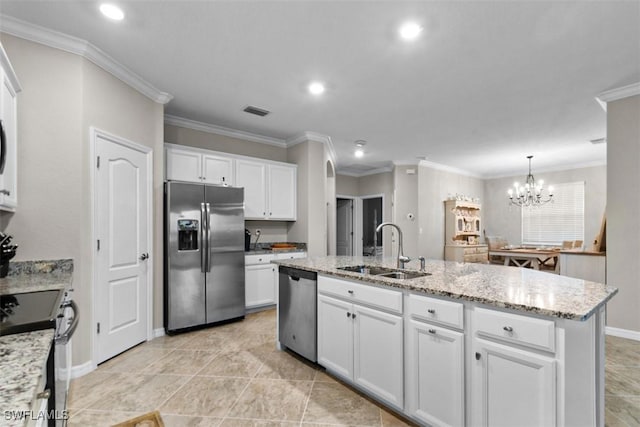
point(122, 218)
point(344, 227)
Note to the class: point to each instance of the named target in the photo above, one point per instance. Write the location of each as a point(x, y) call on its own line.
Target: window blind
point(559, 220)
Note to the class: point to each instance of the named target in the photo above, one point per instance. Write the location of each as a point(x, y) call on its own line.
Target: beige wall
point(62, 96)
point(502, 220)
point(346, 185)
point(405, 203)
point(434, 186)
point(226, 144)
point(623, 205)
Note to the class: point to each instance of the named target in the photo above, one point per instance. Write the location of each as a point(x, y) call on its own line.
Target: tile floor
point(232, 375)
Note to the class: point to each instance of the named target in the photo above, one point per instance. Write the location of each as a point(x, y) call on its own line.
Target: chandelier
point(531, 193)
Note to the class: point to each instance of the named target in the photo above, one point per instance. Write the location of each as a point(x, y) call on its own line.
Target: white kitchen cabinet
point(260, 287)
point(513, 386)
point(195, 166)
point(269, 190)
point(9, 117)
point(253, 177)
point(361, 344)
point(435, 374)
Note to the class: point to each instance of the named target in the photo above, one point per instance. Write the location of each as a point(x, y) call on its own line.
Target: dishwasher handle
point(297, 279)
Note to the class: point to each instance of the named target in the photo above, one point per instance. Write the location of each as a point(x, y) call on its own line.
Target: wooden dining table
point(529, 257)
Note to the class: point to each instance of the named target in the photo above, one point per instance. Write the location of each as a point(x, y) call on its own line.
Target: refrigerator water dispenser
point(188, 234)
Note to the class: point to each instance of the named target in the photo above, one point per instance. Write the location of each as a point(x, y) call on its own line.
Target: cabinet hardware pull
point(432, 331)
point(144, 256)
point(477, 356)
point(431, 311)
point(44, 394)
point(348, 314)
point(350, 291)
point(5, 192)
point(508, 328)
point(353, 315)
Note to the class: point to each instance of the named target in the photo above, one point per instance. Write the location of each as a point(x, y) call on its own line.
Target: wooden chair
point(495, 243)
point(568, 244)
point(577, 244)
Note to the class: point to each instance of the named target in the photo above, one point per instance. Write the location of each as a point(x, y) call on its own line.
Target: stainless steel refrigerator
point(204, 254)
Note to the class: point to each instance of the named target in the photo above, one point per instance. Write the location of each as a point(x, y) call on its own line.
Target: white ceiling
point(487, 83)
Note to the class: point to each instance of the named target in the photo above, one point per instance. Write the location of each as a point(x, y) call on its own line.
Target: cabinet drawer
point(523, 330)
point(476, 258)
point(482, 250)
point(258, 259)
point(357, 293)
point(469, 251)
point(435, 310)
point(291, 255)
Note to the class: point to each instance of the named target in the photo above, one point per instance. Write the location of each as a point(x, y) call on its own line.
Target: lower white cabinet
point(512, 387)
point(260, 287)
point(435, 374)
point(362, 345)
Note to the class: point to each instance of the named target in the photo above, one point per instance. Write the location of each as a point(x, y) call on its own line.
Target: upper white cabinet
point(194, 166)
point(269, 189)
point(9, 151)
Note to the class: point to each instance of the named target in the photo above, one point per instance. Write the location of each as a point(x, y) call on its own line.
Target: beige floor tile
point(391, 420)
point(138, 392)
point(89, 417)
point(333, 403)
point(254, 341)
point(181, 362)
point(323, 377)
point(238, 422)
point(622, 352)
point(624, 408)
point(622, 380)
point(185, 421)
point(135, 359)
point(233, 364)
point(172, 341)
point(272, 400)
point(282, 365)
point(89, 388)
point(205, 396)
point(215, 341)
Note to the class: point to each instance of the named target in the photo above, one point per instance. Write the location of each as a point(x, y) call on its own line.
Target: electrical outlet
point(258, 231)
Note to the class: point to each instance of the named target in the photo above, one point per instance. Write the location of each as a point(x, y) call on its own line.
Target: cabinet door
point(435, 374)
point(252, 176)
point(183, 165)
point(512, 387)
point(335, 336)
point(260, 285)
point(9, 177)
point(217, 170)
point(282, 192)
point(378, 355)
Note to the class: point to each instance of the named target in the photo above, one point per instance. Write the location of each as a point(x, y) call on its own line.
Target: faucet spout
point(402, 259)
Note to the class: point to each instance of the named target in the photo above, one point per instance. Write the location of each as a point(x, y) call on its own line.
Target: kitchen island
point(465, 344)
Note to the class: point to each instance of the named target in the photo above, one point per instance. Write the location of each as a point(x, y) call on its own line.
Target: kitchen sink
point(392, 273)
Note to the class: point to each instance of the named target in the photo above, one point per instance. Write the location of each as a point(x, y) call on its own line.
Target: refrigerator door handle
point(208, 211)
point(203, 241)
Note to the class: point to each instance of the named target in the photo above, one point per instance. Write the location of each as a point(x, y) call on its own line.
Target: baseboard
point(81, 370)
point(159, 332)
point(622, 333)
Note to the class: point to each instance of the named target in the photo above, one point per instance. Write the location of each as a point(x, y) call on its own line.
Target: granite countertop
point(515, 288)
point(23, 358)
point(33, 276)
point(265, 248)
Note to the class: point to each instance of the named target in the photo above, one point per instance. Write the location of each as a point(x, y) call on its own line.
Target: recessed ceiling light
point(112, 11)
point(410, 30)
point(316, 88)
point(359, 148)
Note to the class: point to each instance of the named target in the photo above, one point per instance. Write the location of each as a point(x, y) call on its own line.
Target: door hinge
point(98, 162)
point(98, 246)
point(98, 327)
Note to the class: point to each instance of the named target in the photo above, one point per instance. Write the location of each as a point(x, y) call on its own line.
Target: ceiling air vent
point(255, 110)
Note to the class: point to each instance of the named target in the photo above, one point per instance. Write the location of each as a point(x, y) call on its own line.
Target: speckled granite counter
point(33, 276)
point(515, 288)
point(22, 363)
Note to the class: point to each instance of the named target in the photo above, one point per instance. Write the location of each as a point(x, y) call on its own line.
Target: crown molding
point(445, 168)
point(561, 168)
point(376, 171)
point(8, 70)
point(316, 137)
point(67, 43)
point(220, 130)
point(619, 93)
point(406, 162)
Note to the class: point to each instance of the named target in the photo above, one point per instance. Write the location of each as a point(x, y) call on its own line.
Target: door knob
point(144, 256)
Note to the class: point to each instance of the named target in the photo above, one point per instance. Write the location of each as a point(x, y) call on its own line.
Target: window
point(559, 220)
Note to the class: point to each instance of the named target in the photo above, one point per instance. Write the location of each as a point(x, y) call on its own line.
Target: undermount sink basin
point(384, 272)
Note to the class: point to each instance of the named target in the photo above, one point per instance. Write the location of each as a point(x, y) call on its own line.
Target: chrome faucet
point(402, 260)
point(422, 263)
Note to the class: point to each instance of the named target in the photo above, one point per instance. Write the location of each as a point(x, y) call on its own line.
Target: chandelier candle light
point(531, 193)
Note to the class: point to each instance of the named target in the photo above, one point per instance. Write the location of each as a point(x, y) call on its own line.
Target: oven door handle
point(64, 338)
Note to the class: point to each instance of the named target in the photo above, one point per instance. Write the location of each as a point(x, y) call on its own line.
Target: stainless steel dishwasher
point(297, 308)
